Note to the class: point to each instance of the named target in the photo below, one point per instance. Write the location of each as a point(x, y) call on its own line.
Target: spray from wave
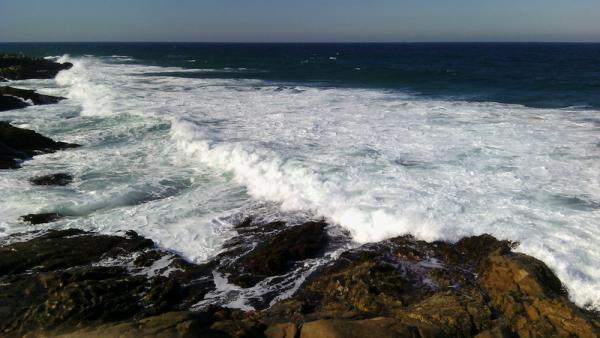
point(297, 188)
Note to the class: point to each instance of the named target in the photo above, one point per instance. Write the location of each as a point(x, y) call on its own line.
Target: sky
point(299, 20)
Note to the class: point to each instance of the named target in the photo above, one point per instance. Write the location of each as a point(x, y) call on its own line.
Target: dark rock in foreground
point(41, 218)
point(20, 67)
point(11, 102)
point(276, 254)
point(18, 144)
point(72, 283)
point(9, 94)
point(68, 279)
point(53, 179)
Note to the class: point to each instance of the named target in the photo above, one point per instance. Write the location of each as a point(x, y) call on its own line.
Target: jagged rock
point(17, 144)
point(52, 179)
point(20, 67)
point(276, 254)
point(56, 282)
point(532, 299)
point(47, 217)
point(476, 286)
point(10, 102)
point(56, 250)
point(25, 94)
point(28, 141)
point(67, 283)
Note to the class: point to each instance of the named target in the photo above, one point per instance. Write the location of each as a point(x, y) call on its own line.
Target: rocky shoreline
point(73, 283)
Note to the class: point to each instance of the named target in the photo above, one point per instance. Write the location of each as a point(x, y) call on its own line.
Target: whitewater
point(181, 159)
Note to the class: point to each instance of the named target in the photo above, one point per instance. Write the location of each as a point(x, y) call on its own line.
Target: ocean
point(183, 140)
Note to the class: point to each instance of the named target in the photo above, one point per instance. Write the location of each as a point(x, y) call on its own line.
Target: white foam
point(298, 188)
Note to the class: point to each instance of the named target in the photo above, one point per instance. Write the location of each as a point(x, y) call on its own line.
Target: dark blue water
point(535, 75)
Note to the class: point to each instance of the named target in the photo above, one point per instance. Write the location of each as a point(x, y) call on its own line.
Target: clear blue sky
point(299, 20)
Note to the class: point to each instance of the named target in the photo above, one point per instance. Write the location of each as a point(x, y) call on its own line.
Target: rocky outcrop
point(42, 218)
point(20, 67)
point(72, 283)
point(60, 179)
point(10, 102)
point(278, 248)
point(409, 288)
point(18, 144)
point(8, 95)
point(63, 280)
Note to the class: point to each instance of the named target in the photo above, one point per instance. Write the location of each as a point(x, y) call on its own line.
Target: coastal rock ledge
point(72, 283)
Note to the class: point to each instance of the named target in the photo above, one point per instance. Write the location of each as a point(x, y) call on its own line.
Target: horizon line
point(311, 42)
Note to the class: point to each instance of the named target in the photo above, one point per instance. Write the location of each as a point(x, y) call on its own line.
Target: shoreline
point(74, 283)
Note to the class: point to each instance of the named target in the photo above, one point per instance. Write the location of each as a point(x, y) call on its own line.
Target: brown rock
point(379, 327)
point(168, 325)
point(402, 287)
point(283, 330)
point(532, 299)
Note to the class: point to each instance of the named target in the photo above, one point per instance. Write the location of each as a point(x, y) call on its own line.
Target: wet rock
point(278, 253)
point(42, 218)
point(80, 284)
point(28, 141)
point(29, 95)
point(9, 157)
point(66, 280)
point(18, 144)
point(20, 67)
point(63, 249)
point(404, 287)
point(11, 102)
point(52, 179)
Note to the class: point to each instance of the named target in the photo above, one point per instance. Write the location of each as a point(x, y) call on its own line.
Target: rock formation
point(8, 95)
point(72, 283)
point(20, 67)
point(18, 144)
